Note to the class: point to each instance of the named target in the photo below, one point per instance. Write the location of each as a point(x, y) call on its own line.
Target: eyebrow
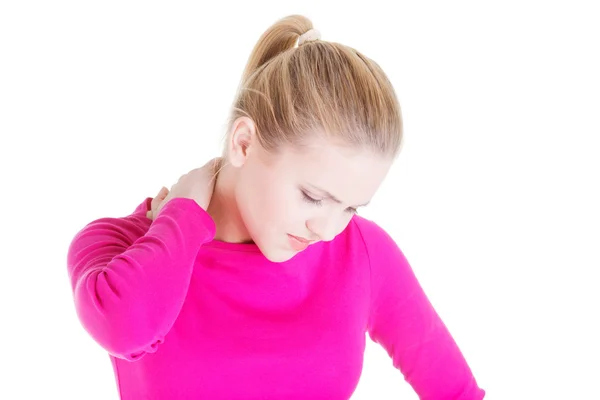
point(332, 197)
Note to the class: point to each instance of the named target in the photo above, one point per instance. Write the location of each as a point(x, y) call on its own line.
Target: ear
point(242, 138)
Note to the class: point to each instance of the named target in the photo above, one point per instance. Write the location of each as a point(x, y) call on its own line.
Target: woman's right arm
point(130, 275)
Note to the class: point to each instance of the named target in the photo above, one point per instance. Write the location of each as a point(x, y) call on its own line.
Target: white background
point(494, 199)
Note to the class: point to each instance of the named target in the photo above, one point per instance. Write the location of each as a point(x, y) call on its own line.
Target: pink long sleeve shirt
point(184, 316)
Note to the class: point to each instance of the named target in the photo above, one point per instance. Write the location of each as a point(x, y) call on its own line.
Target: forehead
point(351, 174)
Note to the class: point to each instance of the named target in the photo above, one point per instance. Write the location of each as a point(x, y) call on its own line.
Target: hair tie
point(309, 36)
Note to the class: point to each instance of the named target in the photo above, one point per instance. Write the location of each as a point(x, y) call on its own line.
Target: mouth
point(298, 243)
point(301, 239)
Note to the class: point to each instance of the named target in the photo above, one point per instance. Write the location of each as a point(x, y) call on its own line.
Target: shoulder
point(386, 259)
point(374, 237)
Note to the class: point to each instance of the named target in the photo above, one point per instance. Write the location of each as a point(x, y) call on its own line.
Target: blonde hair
point(292, 93)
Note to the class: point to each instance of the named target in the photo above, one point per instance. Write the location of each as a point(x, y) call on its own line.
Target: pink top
point(186, 316)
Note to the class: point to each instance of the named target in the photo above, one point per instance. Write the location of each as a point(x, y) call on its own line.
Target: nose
point(324, 228)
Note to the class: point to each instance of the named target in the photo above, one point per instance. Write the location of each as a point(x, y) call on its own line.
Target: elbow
point(120, 341)
point(112, 324)
point(472, 392)
point(132, 351)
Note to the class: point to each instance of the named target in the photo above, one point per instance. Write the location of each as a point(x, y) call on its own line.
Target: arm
point(405, 323)
point(130, 275)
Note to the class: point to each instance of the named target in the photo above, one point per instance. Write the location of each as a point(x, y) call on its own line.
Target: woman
point(253, 277)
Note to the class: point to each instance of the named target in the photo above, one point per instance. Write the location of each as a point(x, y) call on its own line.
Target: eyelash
point(319, 203)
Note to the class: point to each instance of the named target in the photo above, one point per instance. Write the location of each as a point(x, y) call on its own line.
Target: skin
point(259, 197)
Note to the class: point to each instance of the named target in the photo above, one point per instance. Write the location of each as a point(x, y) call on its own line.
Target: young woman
point(253, 277)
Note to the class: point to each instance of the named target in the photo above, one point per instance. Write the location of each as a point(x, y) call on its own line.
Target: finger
point(159, 197)
point(161, 204)
point(163, 192)
point(149, 214)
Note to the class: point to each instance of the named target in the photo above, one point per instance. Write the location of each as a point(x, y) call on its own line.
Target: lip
point(298, 243)
point(301, 239)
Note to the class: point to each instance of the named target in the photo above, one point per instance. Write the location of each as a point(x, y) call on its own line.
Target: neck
point(224, 211)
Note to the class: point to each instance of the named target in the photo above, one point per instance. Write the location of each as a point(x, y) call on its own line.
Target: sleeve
point(403, 321)
point(130, 275)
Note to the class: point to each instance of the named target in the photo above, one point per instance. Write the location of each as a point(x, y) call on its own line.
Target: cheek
point(282, 208)
point(282, 211)
point(264, 207)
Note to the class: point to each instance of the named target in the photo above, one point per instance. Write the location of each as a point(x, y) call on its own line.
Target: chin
point(274, 251)
point(278, 256)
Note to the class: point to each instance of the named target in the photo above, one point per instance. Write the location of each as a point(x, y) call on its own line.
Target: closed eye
point(311, 200)
point(319, 203)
